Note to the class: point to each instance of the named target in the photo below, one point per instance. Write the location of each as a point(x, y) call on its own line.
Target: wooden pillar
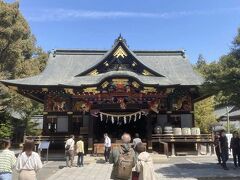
point(149, 132)
point(192, 112)
point(198, 148)
point(70, 124)
point(90, 134)
point(212, 149)
point(45, 125)
point(173, 149)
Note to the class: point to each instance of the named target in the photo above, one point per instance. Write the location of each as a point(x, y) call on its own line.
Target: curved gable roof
point(64, 65)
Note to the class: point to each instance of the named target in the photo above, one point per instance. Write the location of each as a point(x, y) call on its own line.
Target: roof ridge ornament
point(120, 39)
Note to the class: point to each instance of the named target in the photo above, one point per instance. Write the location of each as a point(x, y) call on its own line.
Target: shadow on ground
point(201, 171)
point(100, 161)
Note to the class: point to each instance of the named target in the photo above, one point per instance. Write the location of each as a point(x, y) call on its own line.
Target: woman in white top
point(28, 162)
point(144, 164)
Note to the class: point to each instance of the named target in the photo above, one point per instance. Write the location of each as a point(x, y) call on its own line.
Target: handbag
point(68, 146)
point(135, 175)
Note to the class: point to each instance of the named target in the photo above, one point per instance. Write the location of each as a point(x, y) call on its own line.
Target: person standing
point(144, 164)
point(136, 140)
point(217, 148)
point(7, 160)
point(69, 151)
point(80, 151)
point(107, 146)
point(223, 144)
point(123, 159)
point(28, 162)
point(235, 146)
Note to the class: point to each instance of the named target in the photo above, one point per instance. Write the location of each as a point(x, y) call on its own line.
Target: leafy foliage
point(204, 110)
point(19, 58)
point(223, 77)
point(204, 116)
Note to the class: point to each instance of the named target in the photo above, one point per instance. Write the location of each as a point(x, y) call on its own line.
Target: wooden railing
point(165, 148)
point(168, 138)
point(52, 139)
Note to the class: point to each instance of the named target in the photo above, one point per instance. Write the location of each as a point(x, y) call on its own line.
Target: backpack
point(124, 164)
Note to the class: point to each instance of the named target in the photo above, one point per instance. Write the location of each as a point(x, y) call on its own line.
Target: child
point(144, 164)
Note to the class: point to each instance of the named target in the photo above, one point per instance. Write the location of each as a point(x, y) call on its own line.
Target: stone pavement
point(190, 171)
point(173, 168)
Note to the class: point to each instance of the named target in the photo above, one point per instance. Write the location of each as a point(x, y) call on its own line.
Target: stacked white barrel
point(186, 131)
point(195, 131)
point(168, 130)
point(177, 131)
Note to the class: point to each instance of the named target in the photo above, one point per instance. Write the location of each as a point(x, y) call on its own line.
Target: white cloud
point(71, 14)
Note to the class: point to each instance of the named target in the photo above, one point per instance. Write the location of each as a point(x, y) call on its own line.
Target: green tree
point(204, 110)
point(19, 58)
point(223, 77)
point(204, 116)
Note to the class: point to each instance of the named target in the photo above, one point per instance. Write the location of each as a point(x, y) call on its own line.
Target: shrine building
point(92, 92)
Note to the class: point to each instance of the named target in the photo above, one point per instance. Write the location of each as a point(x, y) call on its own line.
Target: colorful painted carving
point(91, 90)
point(122, 103)
point(149, 90)
point(183, 103)
point(57, 103)
point(82, 106)
point(154, 105)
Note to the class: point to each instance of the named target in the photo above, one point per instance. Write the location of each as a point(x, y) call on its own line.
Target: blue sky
point(198, 26)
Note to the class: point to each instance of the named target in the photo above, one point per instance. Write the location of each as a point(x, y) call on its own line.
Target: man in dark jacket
point(116, 153)
point(223, 141)
point(235, 149)
point(217, 148)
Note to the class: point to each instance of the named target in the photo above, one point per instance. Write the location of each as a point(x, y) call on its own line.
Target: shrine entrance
point(116, 125)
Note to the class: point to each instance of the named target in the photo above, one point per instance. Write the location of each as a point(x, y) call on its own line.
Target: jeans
point(80, 159)
point(6, 176)
point(69, 157)
point(107, 153)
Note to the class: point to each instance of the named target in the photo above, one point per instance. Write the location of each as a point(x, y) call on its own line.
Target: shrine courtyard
point(187, 167)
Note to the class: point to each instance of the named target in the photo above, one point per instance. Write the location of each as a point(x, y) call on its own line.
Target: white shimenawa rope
point(136, 115)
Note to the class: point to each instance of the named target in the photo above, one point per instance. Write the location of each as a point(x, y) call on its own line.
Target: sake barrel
point(186, 131)
point(158, 130)
point(177, 131)
point(195, 131)
point(168, 130)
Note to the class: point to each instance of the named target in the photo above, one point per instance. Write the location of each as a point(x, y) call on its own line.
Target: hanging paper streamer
point(135, 117)
point(125, 120)
point(118, 120)
point(121, 118)
point(112, 119)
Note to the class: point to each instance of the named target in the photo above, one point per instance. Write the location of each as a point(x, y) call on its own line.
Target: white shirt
point(32, 162)
point(70, 142)
point(107, 142)
point(136, 141)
